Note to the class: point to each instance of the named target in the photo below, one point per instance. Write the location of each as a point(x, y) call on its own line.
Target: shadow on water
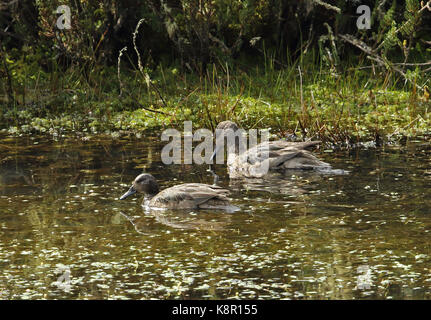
point(303, 236)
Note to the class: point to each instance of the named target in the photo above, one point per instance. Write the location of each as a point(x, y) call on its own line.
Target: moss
point(338, 111)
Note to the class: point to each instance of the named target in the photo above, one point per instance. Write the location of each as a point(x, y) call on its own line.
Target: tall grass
point(303, 98)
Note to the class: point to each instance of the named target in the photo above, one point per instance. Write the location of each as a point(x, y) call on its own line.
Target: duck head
point(228, 129)
point(144, 183)
point(226, 125)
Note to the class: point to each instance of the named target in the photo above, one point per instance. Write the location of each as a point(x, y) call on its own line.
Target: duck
point(183, 196)
point(266, 157)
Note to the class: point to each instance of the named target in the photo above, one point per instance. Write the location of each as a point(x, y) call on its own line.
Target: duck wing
point(278, 149)
point(282, 144)
point(275, 155)
point(188, 195)
point(201, 192)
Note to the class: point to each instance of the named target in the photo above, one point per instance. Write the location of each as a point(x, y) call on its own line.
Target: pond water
point(65, 235)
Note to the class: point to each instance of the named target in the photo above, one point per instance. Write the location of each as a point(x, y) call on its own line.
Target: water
point(65, 235)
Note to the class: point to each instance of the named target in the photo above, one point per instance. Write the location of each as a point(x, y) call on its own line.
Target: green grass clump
point(341, 109)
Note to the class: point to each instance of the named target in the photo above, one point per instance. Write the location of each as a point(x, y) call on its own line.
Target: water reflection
point(305, 236)
point(179, 219)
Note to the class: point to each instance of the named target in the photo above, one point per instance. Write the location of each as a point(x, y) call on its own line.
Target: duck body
point(191, 196)
point(268, 156)
point(183, 196)
point(274, 156)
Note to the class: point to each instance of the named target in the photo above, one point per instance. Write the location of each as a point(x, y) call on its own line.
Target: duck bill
point(128, 193)
point(217, 149)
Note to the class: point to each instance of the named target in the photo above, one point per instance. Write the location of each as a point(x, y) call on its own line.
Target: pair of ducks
point(279, 155)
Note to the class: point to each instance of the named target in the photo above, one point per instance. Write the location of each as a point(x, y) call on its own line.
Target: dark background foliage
point(199, 32)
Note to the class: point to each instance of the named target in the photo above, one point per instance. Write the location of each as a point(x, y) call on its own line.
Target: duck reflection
point(207, 221)
point(292, 183)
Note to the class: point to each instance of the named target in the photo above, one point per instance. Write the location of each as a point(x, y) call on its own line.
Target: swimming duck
point(183, 196)
point(268, 156)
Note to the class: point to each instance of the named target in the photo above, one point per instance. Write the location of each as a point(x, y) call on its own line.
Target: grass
point(304, 99)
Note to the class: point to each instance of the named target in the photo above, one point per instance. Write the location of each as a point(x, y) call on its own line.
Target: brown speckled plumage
point(183, 196)
point(275, 155)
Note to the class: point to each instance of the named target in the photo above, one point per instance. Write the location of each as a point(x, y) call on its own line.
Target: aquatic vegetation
point(342, 112)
